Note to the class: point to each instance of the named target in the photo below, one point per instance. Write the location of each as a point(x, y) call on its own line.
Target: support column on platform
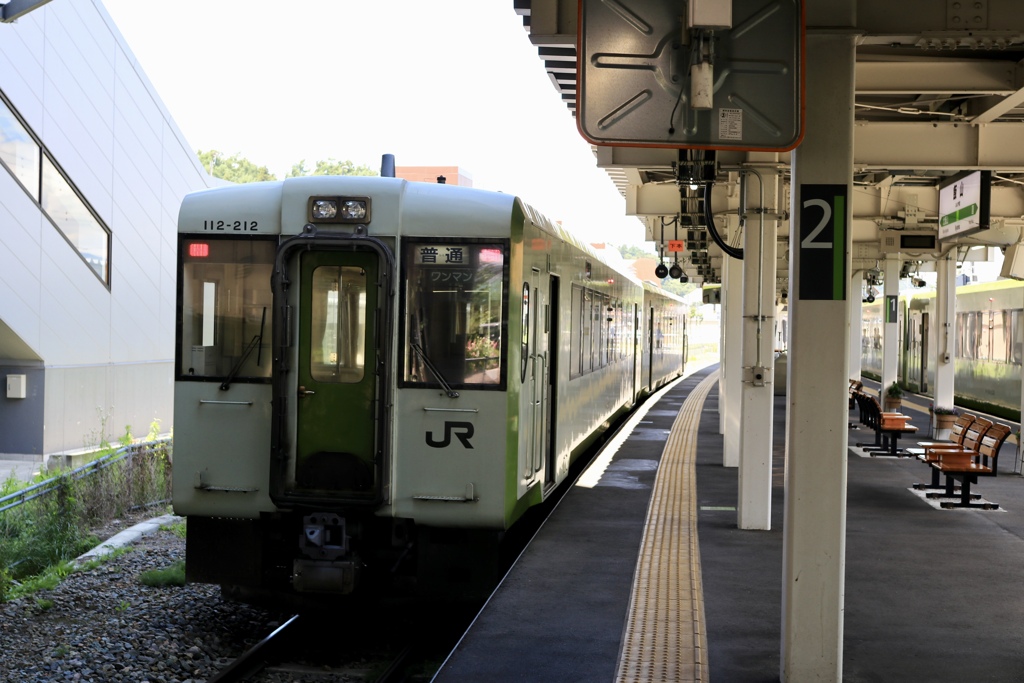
point(814, 532)
point(856, 328)
point(723, 405)
point(761, 209)
point(721, 364)
point(945, 330)
point(890, 322)
point(732, 352)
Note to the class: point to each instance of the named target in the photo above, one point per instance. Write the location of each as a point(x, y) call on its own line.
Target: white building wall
point(107, 354)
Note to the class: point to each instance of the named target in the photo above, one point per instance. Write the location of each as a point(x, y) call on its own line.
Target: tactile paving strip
point(665, 638)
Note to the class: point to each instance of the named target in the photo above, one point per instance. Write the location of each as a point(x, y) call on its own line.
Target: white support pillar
point(944, 329)
point(723, 407)
point(721, 364)
point(754, 498)
point(814, 532)
point(890, 325)
point(732, 354)
point(856, 328)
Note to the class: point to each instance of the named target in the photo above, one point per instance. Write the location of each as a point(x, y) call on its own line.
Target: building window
point(18, 151)
point(27, 160)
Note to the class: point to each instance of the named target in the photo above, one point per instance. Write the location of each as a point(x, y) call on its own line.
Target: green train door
point(329, 382)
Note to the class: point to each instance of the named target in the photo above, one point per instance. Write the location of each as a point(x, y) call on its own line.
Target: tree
point(632, 252)
point(330, 166)
point(234, 168)
point(676, 287)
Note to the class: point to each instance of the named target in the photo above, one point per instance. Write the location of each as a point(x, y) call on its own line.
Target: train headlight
point(324, 208)
point(339, 210)
point(353, 209)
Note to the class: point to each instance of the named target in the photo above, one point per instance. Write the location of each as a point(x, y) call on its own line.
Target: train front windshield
point(225, 309)
point(455, 313)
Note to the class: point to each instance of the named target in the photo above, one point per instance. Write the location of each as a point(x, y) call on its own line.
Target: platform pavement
point(22, 470)
point(931, 596)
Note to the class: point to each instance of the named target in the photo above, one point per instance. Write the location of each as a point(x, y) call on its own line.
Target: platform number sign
point(823, 242)
point(891, 308)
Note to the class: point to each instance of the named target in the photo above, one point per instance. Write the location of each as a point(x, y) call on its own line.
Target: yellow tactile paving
point(665, 637)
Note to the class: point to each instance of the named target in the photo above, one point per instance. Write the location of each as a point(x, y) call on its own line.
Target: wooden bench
point(956, 436)
point(856, 387)
point(966, 465)
point(969, 440)
point(889, 426)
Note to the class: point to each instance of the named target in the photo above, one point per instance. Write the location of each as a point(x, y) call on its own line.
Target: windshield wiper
point(255, 343)
point(434, 371)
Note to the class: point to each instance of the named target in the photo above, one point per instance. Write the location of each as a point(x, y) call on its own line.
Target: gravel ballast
point(105, 625)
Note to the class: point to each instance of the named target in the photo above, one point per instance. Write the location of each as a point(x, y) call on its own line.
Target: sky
point(450, 82)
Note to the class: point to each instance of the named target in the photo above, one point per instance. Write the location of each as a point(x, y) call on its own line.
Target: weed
point(51, 529)
point(177, 528)
point(123, 606)
point(154, 430)
point(61, 651)
point(44, 604)
point(169, 576)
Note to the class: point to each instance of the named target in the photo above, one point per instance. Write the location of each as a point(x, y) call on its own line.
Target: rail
point(260, 655)
point(42, 488)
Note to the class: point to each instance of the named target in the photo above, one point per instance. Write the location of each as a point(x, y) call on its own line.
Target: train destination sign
point(823, 242)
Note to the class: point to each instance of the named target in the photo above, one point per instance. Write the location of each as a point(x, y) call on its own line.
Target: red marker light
point(491, 255)
point(199, 250)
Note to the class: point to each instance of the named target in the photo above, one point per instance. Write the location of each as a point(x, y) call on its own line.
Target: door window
point(338, 324)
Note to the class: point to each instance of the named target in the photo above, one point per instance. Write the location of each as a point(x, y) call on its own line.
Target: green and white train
point(375, 379)
point(986, 343)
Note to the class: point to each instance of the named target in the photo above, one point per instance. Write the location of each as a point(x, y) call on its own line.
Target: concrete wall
point(107, 353)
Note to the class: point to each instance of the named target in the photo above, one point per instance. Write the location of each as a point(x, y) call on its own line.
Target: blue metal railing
point(42, 488)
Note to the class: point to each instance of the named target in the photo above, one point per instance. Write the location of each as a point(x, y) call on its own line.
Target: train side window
point(455, 312)
point(524, 342)
point(338, 321)
point(576, 332)
point(588, 331)
point(981, 334)
point(1017, 336)
point(225, 308)
point(998, 346)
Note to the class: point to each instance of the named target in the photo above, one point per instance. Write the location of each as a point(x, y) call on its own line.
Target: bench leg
point(966, 498)
point(876, 445)
point(949, 490)
point(936, 485)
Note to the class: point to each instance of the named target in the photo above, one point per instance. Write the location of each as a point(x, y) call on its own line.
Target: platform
point(564, 611)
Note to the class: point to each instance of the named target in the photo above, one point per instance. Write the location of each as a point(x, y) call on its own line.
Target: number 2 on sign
point(826, 216)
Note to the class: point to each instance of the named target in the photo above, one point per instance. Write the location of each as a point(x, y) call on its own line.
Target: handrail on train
point(42, 488)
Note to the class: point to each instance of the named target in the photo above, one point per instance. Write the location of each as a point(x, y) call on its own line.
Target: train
point(987, 342)
point(375, 379)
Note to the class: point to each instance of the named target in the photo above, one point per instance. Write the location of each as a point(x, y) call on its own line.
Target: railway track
point(383, 648)
point(383, 645)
